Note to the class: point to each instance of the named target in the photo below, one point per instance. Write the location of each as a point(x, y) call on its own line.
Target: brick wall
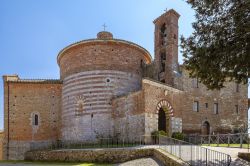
point(227, 120)
point(23, 99)
point(166, 45)
point(102, 55)
point(154, 93)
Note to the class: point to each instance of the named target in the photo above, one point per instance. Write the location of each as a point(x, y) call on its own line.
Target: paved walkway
point(233, 152)
point(185, 151)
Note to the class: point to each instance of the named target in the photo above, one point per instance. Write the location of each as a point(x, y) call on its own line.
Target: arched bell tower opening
point(163, 35)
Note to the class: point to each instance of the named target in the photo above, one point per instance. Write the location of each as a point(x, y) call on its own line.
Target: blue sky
point(33, 32)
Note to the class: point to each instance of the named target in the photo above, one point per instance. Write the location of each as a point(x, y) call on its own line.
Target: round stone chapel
point(93, 72)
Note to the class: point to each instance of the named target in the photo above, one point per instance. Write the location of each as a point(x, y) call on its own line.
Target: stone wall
point(23, 99)
point(168, 159)
point(154, 94)
point(227, 119)
point(17, 149)
point(129, 116)
point(111, 156)
point(87, 105)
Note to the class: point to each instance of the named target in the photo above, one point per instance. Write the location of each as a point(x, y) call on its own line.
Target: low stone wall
point(102, 155)
point(17, 149)
point(244, 156)
point(167, 159)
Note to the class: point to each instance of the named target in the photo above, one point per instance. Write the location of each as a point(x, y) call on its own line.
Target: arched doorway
point(165, 112)
point(162, 120)
point(205, 128)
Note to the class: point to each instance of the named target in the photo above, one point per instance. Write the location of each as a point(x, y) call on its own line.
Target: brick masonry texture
point(227, 120)
point(102, 55)
point(103, 93)
point(129, 116)
point(103, 156)
point(93, 91)
point(153, 94)
point(22, 99)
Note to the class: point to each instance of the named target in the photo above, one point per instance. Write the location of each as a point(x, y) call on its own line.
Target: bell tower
point(166, 46)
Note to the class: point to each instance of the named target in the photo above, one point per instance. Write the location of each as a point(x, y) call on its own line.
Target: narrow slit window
point(237, 109)
point(36, 120)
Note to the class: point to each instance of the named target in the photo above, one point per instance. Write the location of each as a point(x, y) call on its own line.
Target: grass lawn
point(226, 145)
point(29, 163)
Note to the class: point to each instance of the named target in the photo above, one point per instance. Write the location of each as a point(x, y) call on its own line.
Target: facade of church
point(112, 88)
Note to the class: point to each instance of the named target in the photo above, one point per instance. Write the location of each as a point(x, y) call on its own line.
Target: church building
point(112, 88)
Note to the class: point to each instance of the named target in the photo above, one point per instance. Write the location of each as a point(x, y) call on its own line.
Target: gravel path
point(142, 162)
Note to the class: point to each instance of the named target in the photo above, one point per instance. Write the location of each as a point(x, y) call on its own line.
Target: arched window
point(36, 120)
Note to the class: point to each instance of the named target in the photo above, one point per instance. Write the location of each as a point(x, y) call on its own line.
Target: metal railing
point(97, 143)
point(240, 140)
point(192, 154)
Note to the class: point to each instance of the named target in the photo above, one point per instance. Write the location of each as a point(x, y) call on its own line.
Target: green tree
point(219, 48)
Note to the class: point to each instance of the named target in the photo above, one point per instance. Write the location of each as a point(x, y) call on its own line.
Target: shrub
point(157, 133)
point(178, 135)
